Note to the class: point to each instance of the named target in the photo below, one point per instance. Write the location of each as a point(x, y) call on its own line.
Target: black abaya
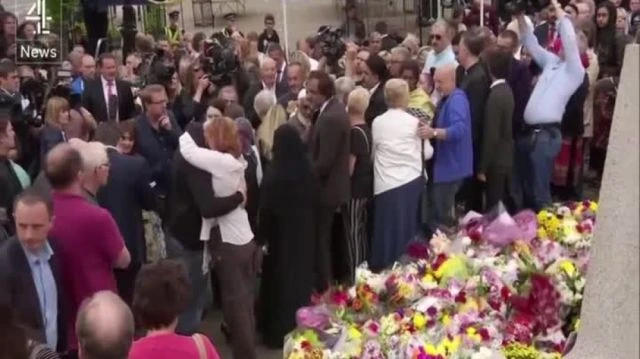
point(286, 221)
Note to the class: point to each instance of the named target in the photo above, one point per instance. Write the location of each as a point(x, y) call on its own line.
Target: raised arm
point(541, 56)
point(205, 159)
point(570, 46)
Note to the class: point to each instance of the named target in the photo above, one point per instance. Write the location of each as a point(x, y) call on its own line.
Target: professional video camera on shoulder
point(219, 60)
point(160, 68)
point(21, 95)
point(517, 7)
point(330, 40)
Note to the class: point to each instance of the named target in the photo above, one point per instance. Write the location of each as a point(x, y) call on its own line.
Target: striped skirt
point(356, 219)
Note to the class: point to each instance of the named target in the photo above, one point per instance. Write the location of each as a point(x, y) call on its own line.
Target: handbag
point(202, 351)
point(424, 196)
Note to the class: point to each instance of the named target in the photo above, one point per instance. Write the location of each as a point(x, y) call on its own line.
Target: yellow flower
point(428, 279)
point(446, 320)
point(354, 333)
point(469, 305)
point(433, 350)
point(576, 326)
point(451, 346)
point(568, 267)
point(542, 233)
point(593, 205)
point(419, 321)
point(473, 334)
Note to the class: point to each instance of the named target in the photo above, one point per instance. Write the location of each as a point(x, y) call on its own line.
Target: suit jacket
point(284, 80)
point(388, 43)
point(330, 148)
point(247, 102)
point(10, 186)
point(157, 147)
point(192, 198)
point(49, 138)
point(126, 194)
point(377, 104)
point(497, 140)
point(18, 290)
point(93, 100)
point(520, 82)
point(475, 83)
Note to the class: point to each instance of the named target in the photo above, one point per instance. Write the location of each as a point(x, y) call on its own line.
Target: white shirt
point(105, 91)
point(313, 63)
point(271, 89)
point(283, 68)
point(497, 82)
point(396, 150)
point(373, 89)
point(227, 176)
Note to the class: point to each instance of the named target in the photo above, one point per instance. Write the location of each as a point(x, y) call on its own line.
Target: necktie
point(112, 105)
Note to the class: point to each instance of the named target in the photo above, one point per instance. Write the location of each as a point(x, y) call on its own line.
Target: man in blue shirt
point(561, 75)
point(29, 280)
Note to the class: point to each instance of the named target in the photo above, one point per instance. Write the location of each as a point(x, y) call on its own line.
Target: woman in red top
point(161, 294)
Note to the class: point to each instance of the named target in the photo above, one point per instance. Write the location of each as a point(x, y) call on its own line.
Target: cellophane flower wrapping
point(502, 288)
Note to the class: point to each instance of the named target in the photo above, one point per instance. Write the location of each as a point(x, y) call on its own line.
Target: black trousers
point(97, 24)
point(471, 194)
point(497, 187)
point(125, 280)
point(235, 268)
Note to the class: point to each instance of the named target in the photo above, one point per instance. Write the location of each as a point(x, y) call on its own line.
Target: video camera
point(516, 7)
point(333, 47)
point(160, 69)
point(219, 60)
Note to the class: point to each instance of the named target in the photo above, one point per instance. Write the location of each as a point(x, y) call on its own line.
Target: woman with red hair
point(233, 247)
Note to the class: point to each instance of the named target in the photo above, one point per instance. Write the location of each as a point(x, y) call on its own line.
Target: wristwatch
point(435, 133)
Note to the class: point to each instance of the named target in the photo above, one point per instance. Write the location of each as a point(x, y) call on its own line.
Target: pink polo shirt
point(170, 346)
point(87, 243)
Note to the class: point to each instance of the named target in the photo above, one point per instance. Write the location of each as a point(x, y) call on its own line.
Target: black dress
point(286, 222)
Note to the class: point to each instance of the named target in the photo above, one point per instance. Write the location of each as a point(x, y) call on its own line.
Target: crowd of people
point(158, 189)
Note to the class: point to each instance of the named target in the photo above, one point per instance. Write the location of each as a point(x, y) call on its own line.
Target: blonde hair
point(396, 93)
point(55, 106)
point(358, 101)
point(275, 117)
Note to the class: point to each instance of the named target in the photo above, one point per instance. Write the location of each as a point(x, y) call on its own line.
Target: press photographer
point(333, 47)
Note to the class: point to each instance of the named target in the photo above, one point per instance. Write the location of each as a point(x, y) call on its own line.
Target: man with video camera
point(561, 75)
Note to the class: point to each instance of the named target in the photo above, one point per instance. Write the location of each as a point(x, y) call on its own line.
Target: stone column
point(610, 323)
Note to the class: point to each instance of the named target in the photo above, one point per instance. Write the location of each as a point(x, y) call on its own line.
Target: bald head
point(63, 166)
point(445, 79)
point(104, 327)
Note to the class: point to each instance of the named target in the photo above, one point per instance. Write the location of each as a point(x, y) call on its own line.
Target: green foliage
point(155, 20)
point(61, 12)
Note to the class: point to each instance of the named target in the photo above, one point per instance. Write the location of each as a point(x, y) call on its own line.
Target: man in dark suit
point(106, 97)
point(329, 143)
point(296, 78)
point(276, 52)
point(496, 156)
point(127, 192)
point(268, 81)
point(29, 276)
point(520, 82)
point(192, 198)
point(157, 135)
point(472, 78)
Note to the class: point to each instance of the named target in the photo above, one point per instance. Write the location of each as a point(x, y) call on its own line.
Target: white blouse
point(227, 176)
point(396, 150)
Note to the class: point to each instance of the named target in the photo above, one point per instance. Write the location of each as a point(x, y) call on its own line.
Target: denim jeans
point(545, 148)
point(189, 321)
point(442, 198)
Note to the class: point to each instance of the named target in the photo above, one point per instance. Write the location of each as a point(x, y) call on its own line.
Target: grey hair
point(402, 51)
point(94, 154)
point(344, 85)
point(263, 101)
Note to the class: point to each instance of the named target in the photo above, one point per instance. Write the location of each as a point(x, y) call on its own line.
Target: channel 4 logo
point(41, 52)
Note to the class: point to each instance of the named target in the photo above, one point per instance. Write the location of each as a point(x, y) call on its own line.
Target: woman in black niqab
point(286, 222)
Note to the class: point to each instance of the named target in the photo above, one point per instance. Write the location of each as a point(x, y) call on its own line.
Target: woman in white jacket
point(398, 177)
point(225, 163)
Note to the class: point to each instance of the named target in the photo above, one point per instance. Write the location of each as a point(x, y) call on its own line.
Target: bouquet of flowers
point(510, 289)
